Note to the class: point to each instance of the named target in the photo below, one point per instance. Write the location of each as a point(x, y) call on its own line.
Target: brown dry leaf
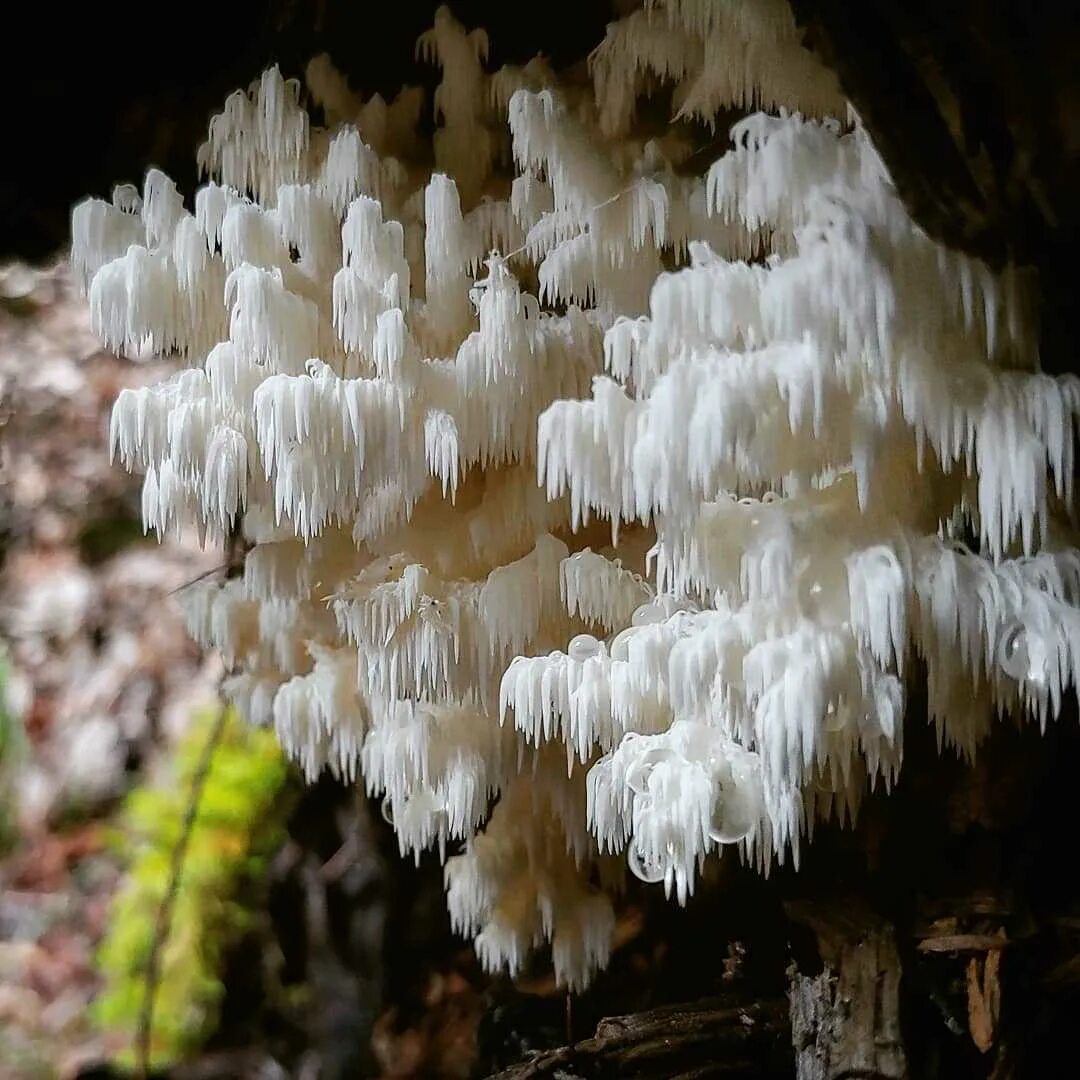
point(442, 1043)
point(399, 1053)
point(45, 865)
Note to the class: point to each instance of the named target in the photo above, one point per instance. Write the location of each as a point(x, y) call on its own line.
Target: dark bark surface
point(972, 105)
point(975, 108)
point(845, 1019)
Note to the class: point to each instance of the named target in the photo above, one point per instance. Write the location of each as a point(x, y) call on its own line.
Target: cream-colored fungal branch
point(599, 496)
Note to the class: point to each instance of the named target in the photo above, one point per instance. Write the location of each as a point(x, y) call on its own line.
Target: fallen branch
point(709, 1038)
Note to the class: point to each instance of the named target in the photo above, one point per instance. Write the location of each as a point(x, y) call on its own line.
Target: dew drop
point(645, 869)
point(1013, 651)
point(648, 613)
point(582, 647)
point(620, 644)
point(730, 820)
point(1023, 655)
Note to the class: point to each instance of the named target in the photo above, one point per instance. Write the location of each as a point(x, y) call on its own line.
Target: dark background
point(96, 93)
point(974, 104)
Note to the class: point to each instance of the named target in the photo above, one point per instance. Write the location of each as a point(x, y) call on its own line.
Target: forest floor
point(98, 675)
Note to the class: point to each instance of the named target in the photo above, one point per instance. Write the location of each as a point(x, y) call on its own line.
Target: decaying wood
point(845, 1019)
point(956, 943)
point(984, 999)
point(709, 1038)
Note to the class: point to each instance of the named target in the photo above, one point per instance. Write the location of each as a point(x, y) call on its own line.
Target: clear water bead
point(644, 868)
point(582, 647)
point(648, 613)
point(731, 819)
point(1022, 655)
point(1013, 651)
point(620, 644)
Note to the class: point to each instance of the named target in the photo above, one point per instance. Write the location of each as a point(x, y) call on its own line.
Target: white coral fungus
point(597, 504)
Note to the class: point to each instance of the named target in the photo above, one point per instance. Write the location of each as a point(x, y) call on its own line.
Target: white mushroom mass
point(598, 497)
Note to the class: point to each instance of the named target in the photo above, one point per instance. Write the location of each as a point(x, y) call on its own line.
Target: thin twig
point(198, 577)
point(176, 869)
point(233, 565)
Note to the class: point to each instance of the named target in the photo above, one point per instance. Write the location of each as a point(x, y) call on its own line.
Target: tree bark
point(845, 1019)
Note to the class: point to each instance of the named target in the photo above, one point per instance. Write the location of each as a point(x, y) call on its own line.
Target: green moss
point(12, 753)
point(238, 825)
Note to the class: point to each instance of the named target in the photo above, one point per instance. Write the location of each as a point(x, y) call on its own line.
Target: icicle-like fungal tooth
point(419, 394)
